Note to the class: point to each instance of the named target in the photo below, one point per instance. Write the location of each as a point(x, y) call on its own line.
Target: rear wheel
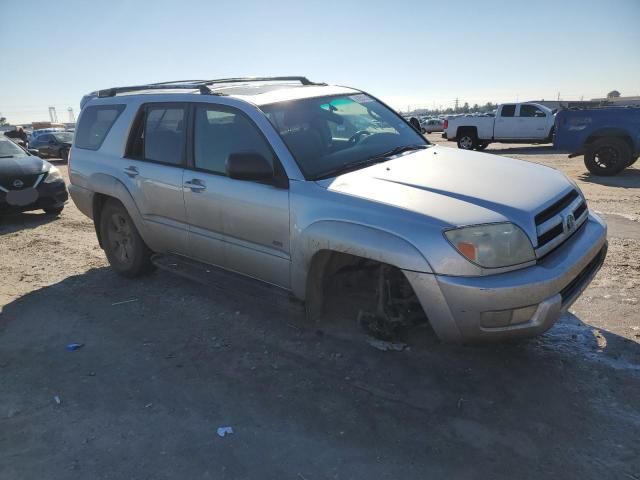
point(467, 140)
point(607, 156)
point(482, 146)
point(126, 251)
point(64, 154)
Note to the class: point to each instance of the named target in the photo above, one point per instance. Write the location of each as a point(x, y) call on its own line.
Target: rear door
point(505, 122)
point(238, 225)
point(532, 122)
point(43, 143)
point(152, 171)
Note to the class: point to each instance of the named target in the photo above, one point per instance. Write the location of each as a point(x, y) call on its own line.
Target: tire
point(633, 160)
point(126, 252)
point(482, 146)
point(607, 156)
point(64, 154)
point(53, 211)
point(467, 140)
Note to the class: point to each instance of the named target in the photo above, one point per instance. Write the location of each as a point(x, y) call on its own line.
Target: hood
point(18, 166)
point(456, 187)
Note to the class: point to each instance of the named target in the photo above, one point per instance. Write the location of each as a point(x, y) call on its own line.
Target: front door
point(532, 122)
point(238, 225)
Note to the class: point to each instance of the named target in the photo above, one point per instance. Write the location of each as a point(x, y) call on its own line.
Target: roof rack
point(201, 85)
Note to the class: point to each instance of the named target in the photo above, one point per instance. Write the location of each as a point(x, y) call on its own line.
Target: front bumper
point(50, 195)
point(465, 309)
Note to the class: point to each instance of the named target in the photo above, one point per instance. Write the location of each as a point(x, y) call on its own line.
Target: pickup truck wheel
point(482, 146)
point(607, 156)
point(467, 141)
point(127, 253)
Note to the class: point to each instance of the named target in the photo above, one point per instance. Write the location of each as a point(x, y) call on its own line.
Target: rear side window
point(508, 111)
point(95, 124)
point(158, 134)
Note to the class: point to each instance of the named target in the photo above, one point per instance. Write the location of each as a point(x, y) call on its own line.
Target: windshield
point(64, 137)
point(325, 134)
point(8, 149)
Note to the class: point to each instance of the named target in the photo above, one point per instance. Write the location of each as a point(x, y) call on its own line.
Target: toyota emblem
point(18, 183)
point(570, 222)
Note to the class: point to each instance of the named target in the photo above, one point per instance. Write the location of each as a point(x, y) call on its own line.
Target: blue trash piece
point(72, 347)
point(222, 431)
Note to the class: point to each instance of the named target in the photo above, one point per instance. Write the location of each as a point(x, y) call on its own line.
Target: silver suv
point(285, 181)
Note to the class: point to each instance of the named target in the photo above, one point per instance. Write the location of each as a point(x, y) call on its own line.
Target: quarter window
point(219, 132)
point(95, 124)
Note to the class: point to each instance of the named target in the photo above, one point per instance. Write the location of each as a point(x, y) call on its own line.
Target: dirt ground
point(167, 361)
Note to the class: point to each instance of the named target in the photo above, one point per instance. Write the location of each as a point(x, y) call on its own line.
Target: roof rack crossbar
point(302, 80)
point(201, 85)
point(111, 92)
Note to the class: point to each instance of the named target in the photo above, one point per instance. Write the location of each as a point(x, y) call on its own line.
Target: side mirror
point(248, 166)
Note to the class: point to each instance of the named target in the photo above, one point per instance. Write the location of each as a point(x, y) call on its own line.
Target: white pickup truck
point(513, 123)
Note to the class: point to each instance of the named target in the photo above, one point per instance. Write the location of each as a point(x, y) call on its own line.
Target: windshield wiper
point(401, 149)
point(7, 156)
point(348, 167)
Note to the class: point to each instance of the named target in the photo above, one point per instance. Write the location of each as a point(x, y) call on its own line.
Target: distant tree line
point(465, 108)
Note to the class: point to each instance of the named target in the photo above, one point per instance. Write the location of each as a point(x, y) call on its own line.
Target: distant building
point(618, 101)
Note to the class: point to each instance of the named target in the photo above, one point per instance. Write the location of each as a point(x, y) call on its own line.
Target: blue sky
point(406, 52)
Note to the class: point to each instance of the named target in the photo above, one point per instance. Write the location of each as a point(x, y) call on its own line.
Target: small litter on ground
point(124, 301)
point(72, 347)
point(222, 431)
point(386, 346)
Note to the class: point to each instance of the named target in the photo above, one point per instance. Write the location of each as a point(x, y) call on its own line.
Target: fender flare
point(353, 239)
point(110, 186)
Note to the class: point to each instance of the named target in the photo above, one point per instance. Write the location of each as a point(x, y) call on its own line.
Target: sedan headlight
point(53, 175)
point(492, 245)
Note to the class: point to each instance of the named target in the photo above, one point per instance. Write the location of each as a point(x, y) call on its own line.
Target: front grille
point(28, 181)
point(559, 221)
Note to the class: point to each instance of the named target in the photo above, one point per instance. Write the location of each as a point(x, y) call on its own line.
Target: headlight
point(53, 175)
point(493, 245)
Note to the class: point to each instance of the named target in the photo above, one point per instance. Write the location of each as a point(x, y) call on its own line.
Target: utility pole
point(456, 107)
point(558, 96)
point(72, 118)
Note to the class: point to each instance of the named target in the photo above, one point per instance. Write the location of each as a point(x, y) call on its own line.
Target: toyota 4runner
point(287, 181)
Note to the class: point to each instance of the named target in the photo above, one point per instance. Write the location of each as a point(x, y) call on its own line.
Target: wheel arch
point(106, 187)
point(314, 247)
point(610, 132)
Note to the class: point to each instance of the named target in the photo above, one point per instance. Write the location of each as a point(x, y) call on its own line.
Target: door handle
point(131, 171)
point(195, 185)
